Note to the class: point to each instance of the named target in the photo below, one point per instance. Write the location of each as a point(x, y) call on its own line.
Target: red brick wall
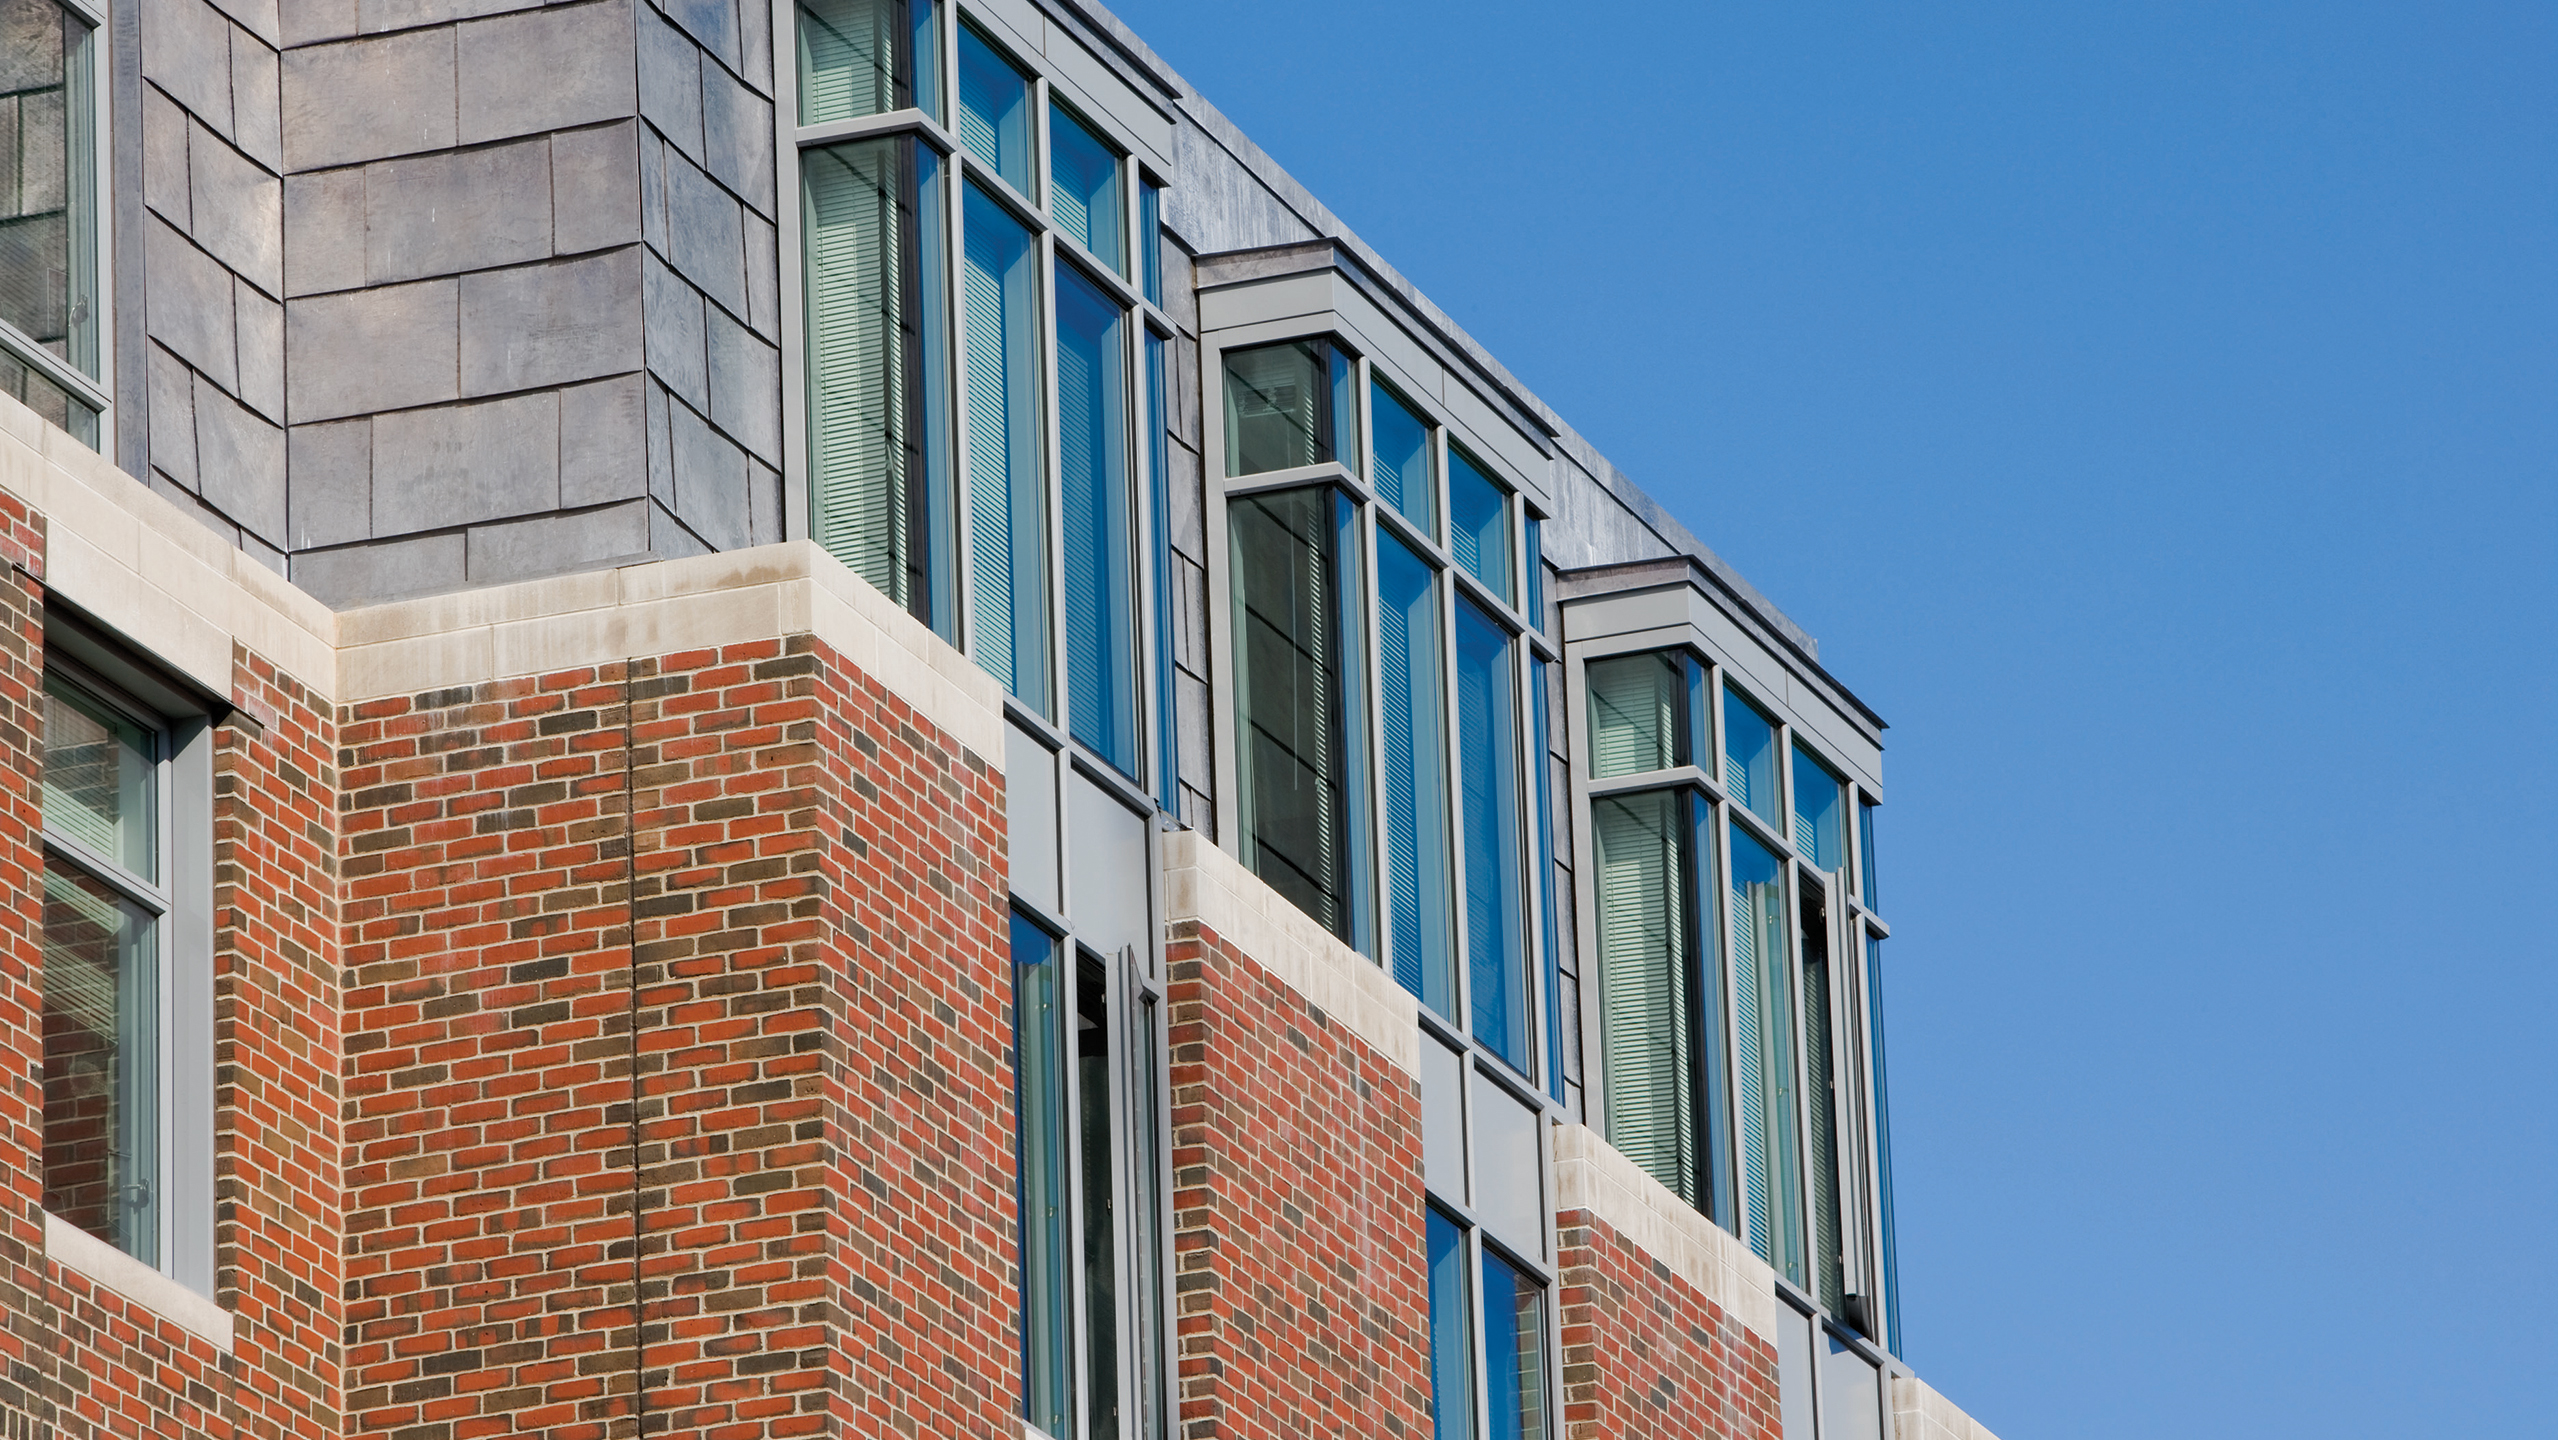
point(1645, 1354)
point(1302, 1304)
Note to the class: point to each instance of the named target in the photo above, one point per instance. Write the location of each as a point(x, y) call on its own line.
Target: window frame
point(182, 724)
point(1048, 88)
point(96, 392)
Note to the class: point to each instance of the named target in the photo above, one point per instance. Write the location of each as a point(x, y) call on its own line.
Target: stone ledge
point(76, 1250)
point(1205, 884)
point(1919, 1413)
point(1591, 1174)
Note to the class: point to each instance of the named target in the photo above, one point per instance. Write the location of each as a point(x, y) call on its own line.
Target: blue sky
point(2154, 410)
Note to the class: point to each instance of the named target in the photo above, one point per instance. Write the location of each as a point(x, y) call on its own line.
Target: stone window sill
point(73, 1248)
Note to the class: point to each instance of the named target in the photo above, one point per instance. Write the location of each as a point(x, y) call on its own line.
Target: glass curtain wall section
point(1763, 1009)
point(1820, 812)
point(994, 110)
point(1421, 940)
point(102, 904)
point(1821, 1069)
point(1083, 193)
point(1095, 483)
point(1298, 683)
point(1399, 460)
point(1749, 757)
point(1513, 1352)
point(1451, 1330)
point(1495, 908)
point(878, 370)
point(1479, 524)
point(1287, 405)
point(50, 302)
point(867, 57)
point(1007, 506)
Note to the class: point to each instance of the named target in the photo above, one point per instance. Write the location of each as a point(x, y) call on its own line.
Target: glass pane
point(1866, 890)
point(1451, 1333)
point(48, 180)
point(994, 109)
point(1496, 907)
point(1851, 1393)
point(1150, 240)
point(1100, 1195)
point(1008, 542)
point(1100, 545)
point(1479, 523)
point(1040, 1120)
point(1540, 758)
point(101, 1062)
point(1794, 1371)
point(1536, 572)
point(1638, 713)
point(28, 386)
point(1145, 1228)
point(1646, 940)
point(1513, 1351)
point(1763, 1004)
point(1285, 407)
point(1297, 695)
point(1159, 484)
point(1083, 179)
point(1820, 811)
point(1883, 1143)
point(1421, 942)
point(880, 496)
point(1749, 755)
point(1399, 460)
point(1820, 1058)
point(101, 787)
point(860, 57)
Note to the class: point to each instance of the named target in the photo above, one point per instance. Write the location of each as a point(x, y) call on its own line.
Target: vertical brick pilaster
point(1645, 1354)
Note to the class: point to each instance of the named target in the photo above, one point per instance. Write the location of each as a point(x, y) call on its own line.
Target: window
point(867, 57)
point(1648, 933)
point(1100, 523)
point(1825, 1087)
point(1420, 935)
point(1488, 804)
point(51, 336)
point(1644, 710)
point(1007, 502)
point(1287, 406)
point(1866, 889)
point(1297, 692)
point(1479, 524)
point(994, 110)
point(1764, 1042)
point(1083, 174)
point(1451, 1330)
point(1159, 486)
point(1891, 1317)
point(1086, 1053)
point(1399, 460)
point(1749, 756)
point(1820, 806)
point(1513, 1351)
point(1150, 241)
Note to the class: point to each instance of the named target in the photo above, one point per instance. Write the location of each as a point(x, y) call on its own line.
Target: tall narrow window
point(867, 57)
point(1100, 1174)
point(1399, 460)
point(1411, 703)
point(1763, 1004)
point(1083, 188)
point(1048, 1339)
point(1287, 405)
point(1099, 520)
point(1007, 510)
point(1883, 1143)
point(1496, 909)
point(49, 263)
point(1159, 485)
point(1647, 973)
point(1749, 756)
point(1540, 756)
point(1513, 1351)
point(1866, 888)
point(1638, 713)
point(104, 899)
point(1150, 240)
point(1152, 1403)
point(1479, 523)
point(1451, 1330)
point(994, 109)
point(1823, 1081)
point(1297, 690)
point(880, 495)
point(1820, 811)
point(1536, 572)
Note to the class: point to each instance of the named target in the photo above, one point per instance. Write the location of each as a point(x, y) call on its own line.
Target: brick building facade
point(820, 719)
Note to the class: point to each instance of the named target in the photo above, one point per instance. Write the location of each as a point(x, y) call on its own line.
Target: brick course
point(1645, 1354)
